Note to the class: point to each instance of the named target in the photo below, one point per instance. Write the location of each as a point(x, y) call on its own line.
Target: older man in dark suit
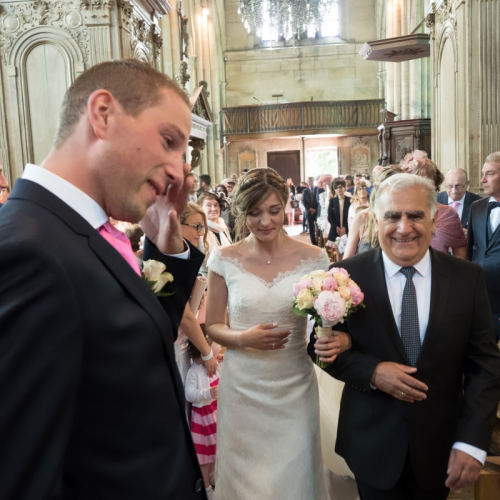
point(92, 405)
point(423, 375)
point(457, 194)
point(483, 242)
point(311, 204)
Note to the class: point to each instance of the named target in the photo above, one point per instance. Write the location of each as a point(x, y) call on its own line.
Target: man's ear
point(101, 107)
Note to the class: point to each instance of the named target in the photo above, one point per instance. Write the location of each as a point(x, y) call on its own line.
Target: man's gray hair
point(493, 158)
point(400, 182)
point(458, 169)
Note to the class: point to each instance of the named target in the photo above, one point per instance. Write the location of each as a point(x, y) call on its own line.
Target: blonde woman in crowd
point(193, 226)
point(360, 197)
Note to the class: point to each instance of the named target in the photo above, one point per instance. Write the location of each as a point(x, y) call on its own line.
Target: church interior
point(371, 82)
point(304, 104)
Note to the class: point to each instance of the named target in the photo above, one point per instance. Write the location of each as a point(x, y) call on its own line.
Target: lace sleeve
point(215, 262)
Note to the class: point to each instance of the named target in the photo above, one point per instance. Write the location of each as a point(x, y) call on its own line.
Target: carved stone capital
point(197, 146)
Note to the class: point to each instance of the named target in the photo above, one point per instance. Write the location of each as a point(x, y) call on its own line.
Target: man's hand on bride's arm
point(264, 337)
point(397, 380)
point(328, 348)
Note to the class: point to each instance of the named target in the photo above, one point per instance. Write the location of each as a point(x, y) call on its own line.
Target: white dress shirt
point(422, 280)
point(79, 201)
point(494, 216)
point(460, 207)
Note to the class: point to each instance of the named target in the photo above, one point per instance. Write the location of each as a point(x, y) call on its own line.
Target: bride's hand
point(264, 337)
point(328, 348)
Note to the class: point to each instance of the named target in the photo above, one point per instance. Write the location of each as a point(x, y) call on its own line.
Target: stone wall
point(466, 93)
point(319, 69)
point(344, 145)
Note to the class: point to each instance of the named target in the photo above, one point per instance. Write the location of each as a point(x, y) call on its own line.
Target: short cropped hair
point(206, 179)
point(493, 158)
point(134, 84)
point(400, 182)
point(134, 234)
point(338, 182)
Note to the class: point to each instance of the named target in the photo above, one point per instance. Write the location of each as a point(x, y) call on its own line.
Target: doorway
point(286, 163)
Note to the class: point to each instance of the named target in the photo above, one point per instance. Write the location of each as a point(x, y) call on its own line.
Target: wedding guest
point(194, 188)
point(310, 202)
point(422, 379)
point(363, 235)
point(457, 195)
point(360, 197)
point(221, 190)
point(194, 230)
point(243, 172)
point(4, 194)
point(205, 183)
point(449, 233)
point(376, 170)
point(289, 209)
point(234, 178)
point(135, 233)
point(91, 401)
point(299, 192)
point(230, 186)
point(218, 233)
point(201, 390)
point(338, 209)
point(483, 247)
point(349, 182)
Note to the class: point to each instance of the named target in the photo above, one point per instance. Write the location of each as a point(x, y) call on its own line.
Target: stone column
point(397, 66)
point(389, 65)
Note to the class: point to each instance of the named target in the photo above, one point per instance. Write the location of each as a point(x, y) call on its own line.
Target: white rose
point(162, 280)
point(319, 274)
point(317, 285)
point(305, 299)
point(152, 269)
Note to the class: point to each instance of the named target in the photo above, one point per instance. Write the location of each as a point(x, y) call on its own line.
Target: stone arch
point(446, 92)
point(22, 66)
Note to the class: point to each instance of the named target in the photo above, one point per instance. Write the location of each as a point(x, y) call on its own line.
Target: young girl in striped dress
point(201, 391)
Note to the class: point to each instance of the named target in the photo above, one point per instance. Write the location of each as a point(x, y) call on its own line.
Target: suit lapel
point(130, 281)
point(466, 209)
point(381, 298)
point(113, 261)
point(440, 285)
point(336, 210)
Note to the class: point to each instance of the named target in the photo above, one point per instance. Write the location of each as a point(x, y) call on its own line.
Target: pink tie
point(121, 244)
point(455, 205)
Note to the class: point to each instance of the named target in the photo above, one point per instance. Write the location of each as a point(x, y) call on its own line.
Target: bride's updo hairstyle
point(253, 190)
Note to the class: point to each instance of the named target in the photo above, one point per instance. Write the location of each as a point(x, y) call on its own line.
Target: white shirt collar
point(492, 199)
point(461, 201)
point(80, 202)
point(422, 267)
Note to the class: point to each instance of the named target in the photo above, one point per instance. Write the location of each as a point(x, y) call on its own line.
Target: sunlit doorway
point(322, 161)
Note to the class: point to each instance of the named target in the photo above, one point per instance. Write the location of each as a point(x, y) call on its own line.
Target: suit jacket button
point(487, 255)
point(198, 485)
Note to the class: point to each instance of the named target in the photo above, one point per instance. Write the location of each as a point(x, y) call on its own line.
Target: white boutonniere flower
point(153, 273)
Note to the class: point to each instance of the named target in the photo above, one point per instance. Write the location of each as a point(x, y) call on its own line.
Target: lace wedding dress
point(268, 422)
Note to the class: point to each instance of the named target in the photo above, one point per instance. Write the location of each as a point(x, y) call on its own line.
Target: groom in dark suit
point(92, 406)
point(422, 379)
point(483, 237)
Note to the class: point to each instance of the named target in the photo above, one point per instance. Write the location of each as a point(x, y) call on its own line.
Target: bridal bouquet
point(329, 297)
point(153, 273)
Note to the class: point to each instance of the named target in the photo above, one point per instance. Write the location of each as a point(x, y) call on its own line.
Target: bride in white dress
point(268, 428)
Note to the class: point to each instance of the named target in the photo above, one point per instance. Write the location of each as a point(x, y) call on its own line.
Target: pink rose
point(297, 287)
point(338, 270)
point(330, 306)
point(357, 295)
point(330, 284)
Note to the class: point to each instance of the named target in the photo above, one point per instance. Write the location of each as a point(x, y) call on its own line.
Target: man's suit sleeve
point(40, 361)
point(305, 199)
point(352, 367)
point(184, 272)
point(470, 235)
point(481, 374)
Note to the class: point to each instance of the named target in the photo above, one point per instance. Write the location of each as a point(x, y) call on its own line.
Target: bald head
point(456, 183)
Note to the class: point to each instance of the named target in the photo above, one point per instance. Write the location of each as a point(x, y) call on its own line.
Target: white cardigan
point(197, 386)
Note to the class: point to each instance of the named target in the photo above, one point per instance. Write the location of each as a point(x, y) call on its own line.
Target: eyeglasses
point(199, 227)
point(458, 187)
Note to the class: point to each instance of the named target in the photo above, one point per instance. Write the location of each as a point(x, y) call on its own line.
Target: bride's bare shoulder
point(231, 251)
point(307, 251)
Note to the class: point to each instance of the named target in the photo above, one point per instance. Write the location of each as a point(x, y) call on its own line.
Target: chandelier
point(287, 18)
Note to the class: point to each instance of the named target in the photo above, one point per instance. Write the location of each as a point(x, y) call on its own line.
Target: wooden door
point(286, 163)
